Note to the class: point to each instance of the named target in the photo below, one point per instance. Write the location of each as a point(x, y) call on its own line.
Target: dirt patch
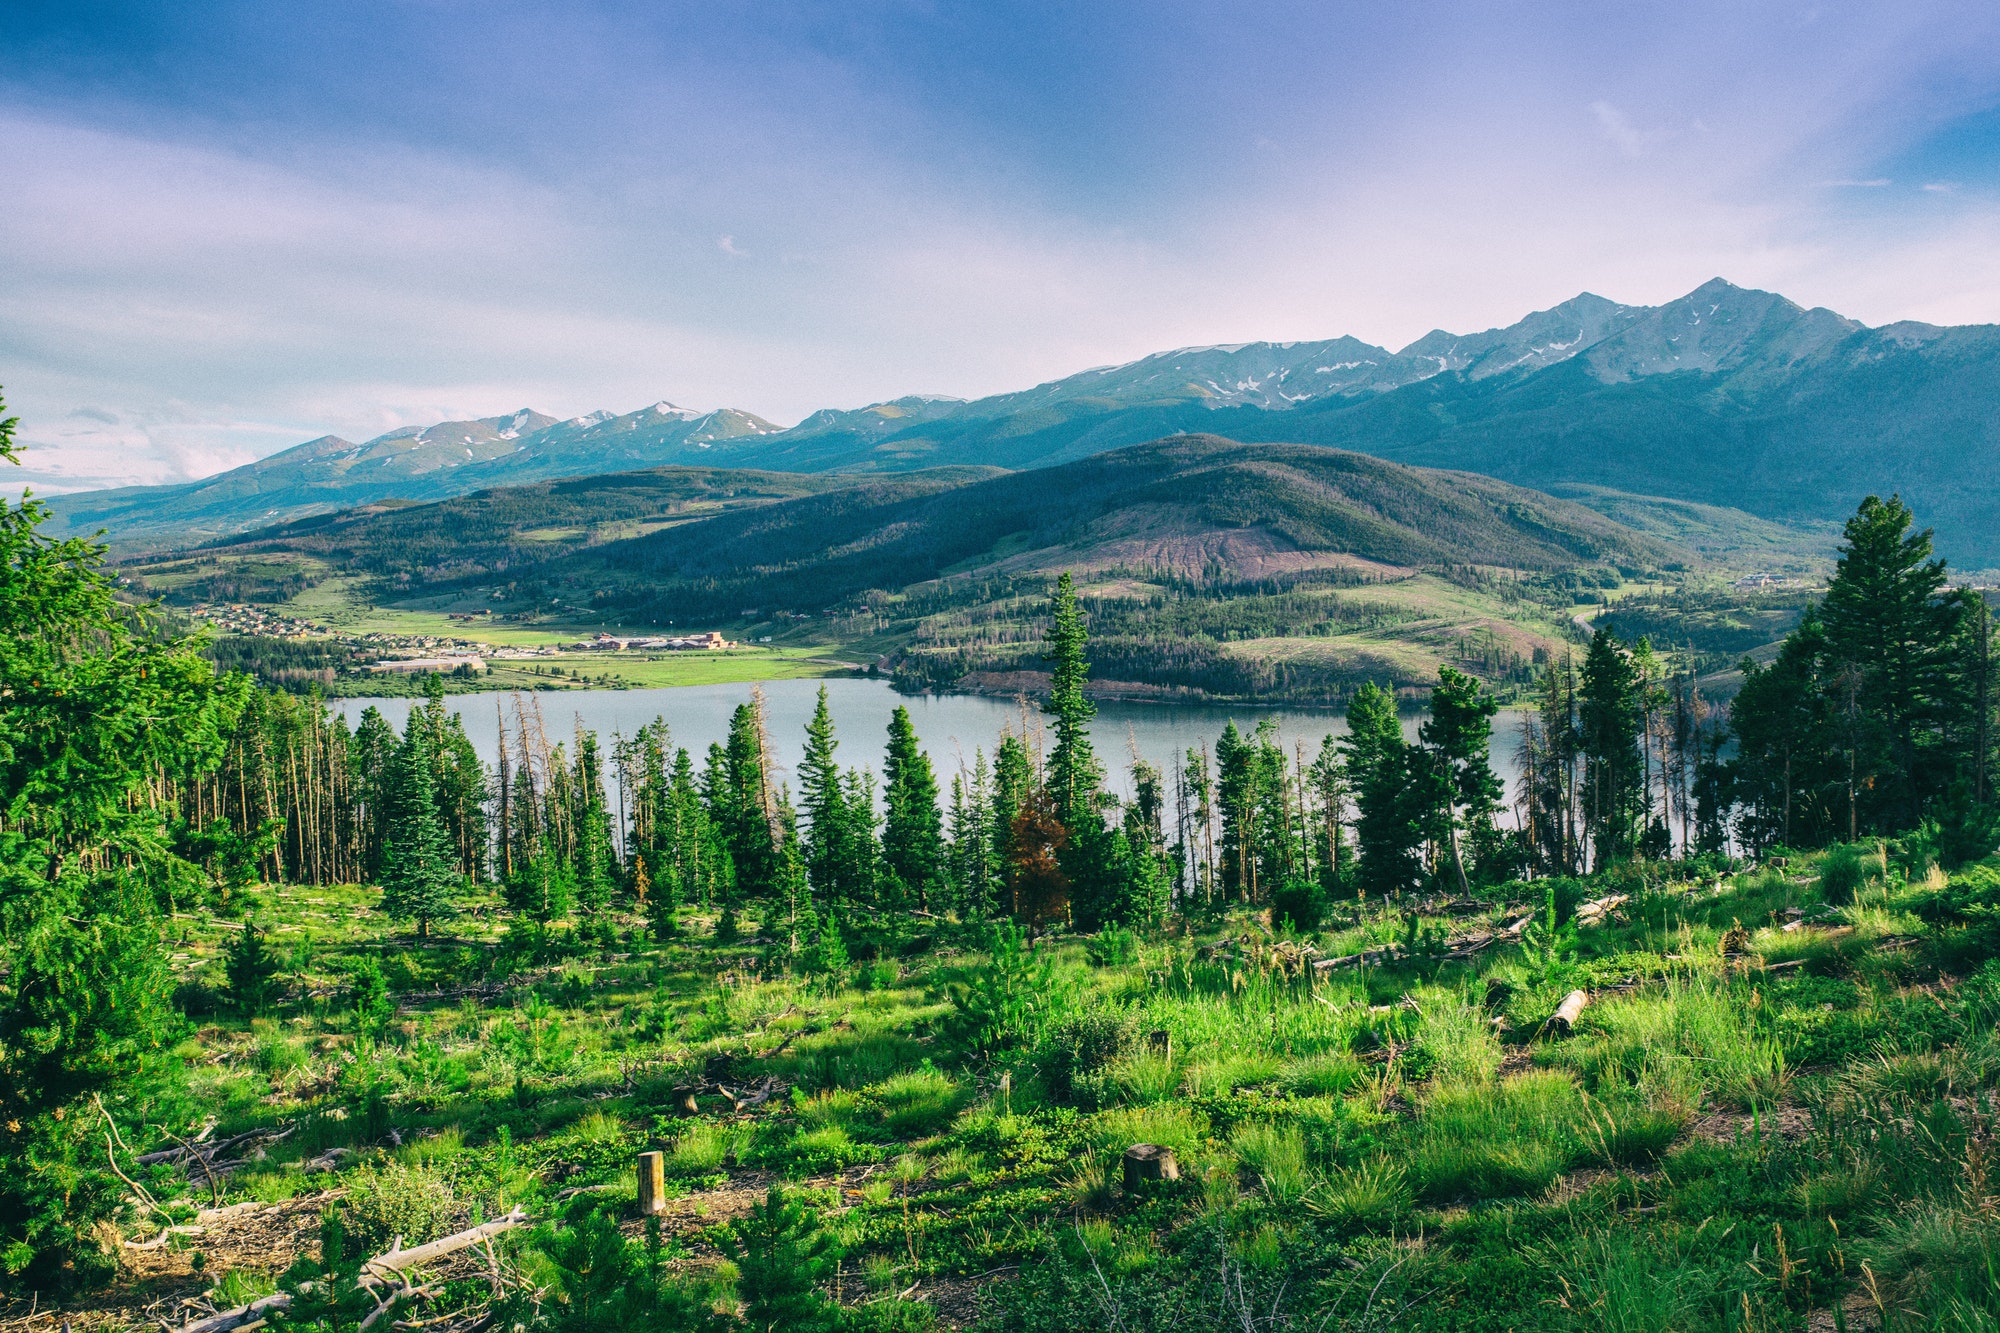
point(1790, 1123)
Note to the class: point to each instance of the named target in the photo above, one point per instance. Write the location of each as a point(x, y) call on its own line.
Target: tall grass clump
point(1277, 1155)
point(1499, 1140)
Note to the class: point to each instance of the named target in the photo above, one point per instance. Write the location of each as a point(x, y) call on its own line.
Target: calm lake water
point(950, 726)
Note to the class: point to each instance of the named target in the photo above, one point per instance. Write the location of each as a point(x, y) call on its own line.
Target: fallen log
point(384, 1270)
point(242, 1315)
point(1361, 959)
point(1598, 908)
point(383, 1267)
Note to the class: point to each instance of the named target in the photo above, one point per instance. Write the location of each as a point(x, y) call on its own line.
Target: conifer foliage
point(104, 719)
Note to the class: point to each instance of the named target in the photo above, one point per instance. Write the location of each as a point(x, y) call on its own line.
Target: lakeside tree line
point(1874, 717)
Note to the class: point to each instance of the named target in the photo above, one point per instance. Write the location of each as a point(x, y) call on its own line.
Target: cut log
point(1571, 1009)
point(1149, 1162)
point(652, 1183)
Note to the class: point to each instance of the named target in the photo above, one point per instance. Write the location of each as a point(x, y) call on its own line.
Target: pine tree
point(1149, 874)
point(744, 802)
point(1608, 718)
point(1013, 779)
point(1236, 799)
point(420, 878)
point(1889, 618)
point(1074, 777)
point(1330, 786)
point(251, 971)
point(1459, 735)
point(592, 858)
point(1388, 830)
point(102, 710)
point(823, 804)
point(913, 832)
point(374, 761)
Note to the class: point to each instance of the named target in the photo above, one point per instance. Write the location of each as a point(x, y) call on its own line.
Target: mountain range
point(1727, 396)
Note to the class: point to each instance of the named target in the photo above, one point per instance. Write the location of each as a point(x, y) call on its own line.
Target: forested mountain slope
point(1194, 507)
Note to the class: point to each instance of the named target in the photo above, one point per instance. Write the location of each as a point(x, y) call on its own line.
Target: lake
point(950, 726)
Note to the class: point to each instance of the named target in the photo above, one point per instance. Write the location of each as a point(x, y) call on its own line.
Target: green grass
point(1716, 1146)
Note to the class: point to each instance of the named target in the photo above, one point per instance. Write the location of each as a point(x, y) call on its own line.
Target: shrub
point(1114, 946)
point(394, 1199)
point(1006, 1001)
point(1846, 869)
point(1298, 904)
point(1080, 1048)
point(604, 1283)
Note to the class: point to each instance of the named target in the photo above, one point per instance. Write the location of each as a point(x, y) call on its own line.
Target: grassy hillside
point(1771, 1113)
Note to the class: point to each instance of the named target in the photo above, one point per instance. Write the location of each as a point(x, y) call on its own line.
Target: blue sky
point(232, 226)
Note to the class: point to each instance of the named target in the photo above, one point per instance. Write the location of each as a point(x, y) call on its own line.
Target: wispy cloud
point(1617, 127)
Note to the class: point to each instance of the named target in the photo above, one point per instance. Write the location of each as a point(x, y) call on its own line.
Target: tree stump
point(1161, 1042)
point(1149, 1162)
point(1569, 1011)
point(652, 1183)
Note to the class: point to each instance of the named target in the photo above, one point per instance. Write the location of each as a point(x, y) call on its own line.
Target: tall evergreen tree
point(745, 807)
point(1791, 762)
point(592, 857)
point(1459, 735)
point(1608, 717)
point(913, 832)
point(374, 763)
point(420, 876)
point(822, 802)
point(1889, 618)
point(1013, 780)
point(100, 706)
point(1331, 788)
point(1236, 799)
point(1388, 830)
point(1074, 776)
